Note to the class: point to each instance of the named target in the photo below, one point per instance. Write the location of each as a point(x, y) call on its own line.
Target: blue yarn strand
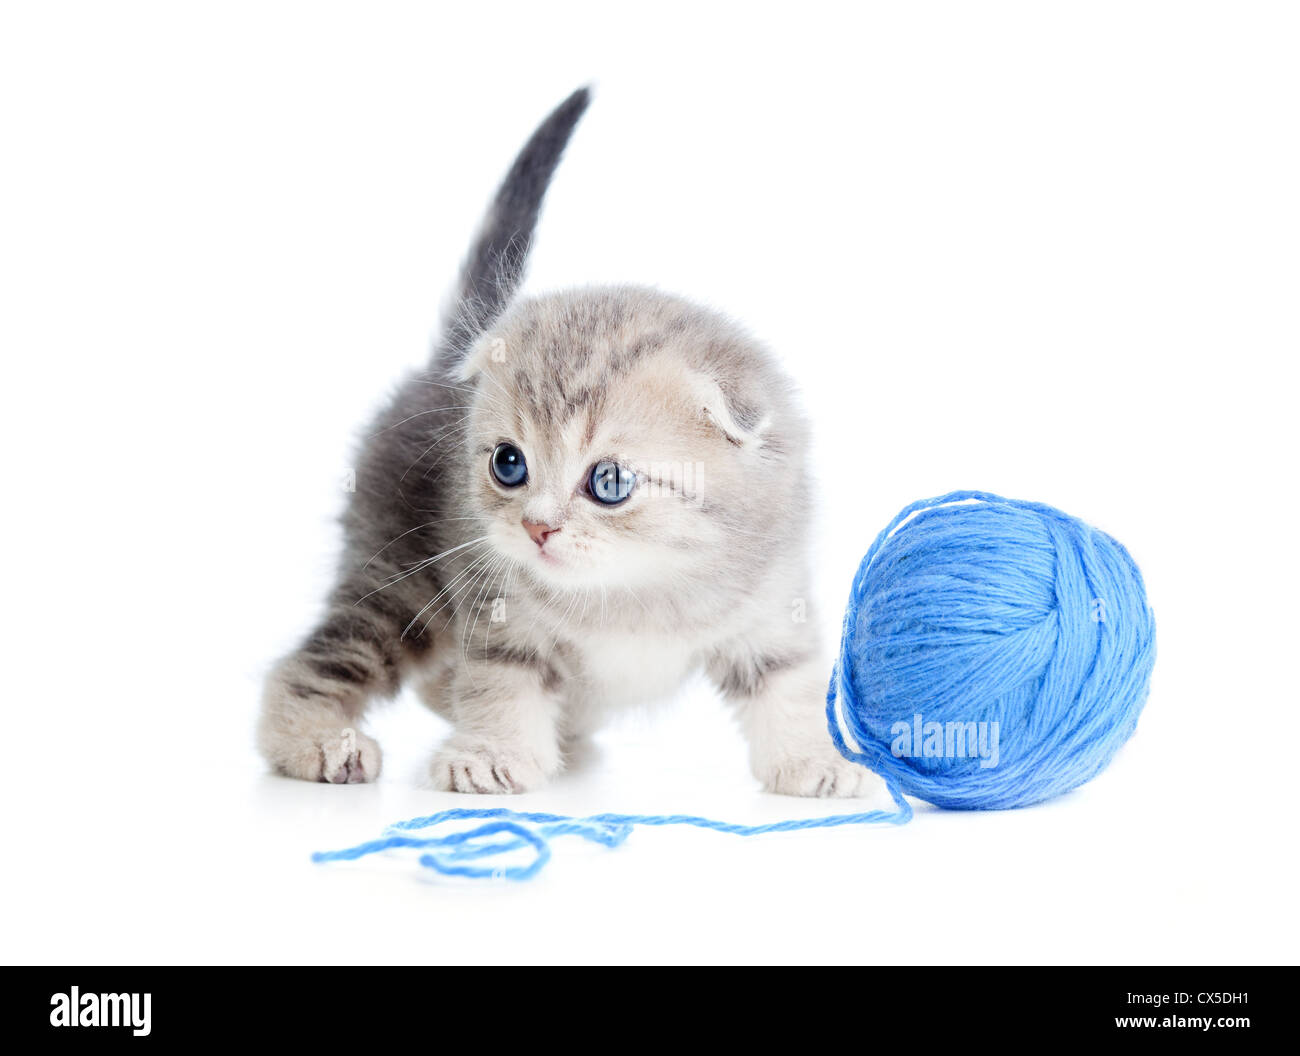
point(450, 854)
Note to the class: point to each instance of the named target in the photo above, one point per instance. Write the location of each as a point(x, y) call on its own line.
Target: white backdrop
point(1046, 250)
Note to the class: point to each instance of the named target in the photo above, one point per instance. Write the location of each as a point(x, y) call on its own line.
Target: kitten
point(588, 496)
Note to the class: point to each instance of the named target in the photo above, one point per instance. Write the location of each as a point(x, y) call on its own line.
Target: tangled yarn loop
point(453, 854)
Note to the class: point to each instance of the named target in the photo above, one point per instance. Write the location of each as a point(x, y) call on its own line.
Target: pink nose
point(539, 532)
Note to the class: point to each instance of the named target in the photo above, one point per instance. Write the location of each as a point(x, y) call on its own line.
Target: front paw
point(828, 776)
point(334, 755)
point(465, 765)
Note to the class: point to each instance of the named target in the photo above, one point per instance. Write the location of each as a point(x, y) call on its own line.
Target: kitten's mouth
point(549, 559)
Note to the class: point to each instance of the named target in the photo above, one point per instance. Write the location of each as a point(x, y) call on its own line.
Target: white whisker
point(417, 567)
point(477, 562)
point(426, 524)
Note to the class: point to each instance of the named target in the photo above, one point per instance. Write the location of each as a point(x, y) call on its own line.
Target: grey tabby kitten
point(588, 496)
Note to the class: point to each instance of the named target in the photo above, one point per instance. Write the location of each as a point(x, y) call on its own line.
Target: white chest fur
point(622, 668)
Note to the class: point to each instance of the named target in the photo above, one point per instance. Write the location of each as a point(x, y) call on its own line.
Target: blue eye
point(508, 465)
point(610, 483)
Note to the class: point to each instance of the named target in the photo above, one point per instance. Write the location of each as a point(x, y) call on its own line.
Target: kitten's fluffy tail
point(494, 267)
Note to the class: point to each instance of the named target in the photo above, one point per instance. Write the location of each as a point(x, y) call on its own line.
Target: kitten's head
point(624, 438)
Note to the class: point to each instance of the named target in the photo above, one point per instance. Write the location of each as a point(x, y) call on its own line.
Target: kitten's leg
point(506, 710)
point(780, 696)
point(315, 697)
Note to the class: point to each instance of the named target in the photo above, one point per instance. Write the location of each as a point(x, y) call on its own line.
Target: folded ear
point(739, 421)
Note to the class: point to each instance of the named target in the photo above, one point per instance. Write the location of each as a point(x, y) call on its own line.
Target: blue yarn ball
point(973, 609)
